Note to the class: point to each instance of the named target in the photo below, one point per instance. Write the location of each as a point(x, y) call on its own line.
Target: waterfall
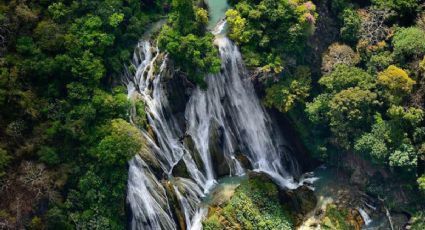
point(231, 103)
point(367, 220)
point(226, 120)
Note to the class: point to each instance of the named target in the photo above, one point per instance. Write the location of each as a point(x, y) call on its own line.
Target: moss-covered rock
point(336, 218)
point(180, 169)
point(254, 205)
point(220, 161)
point(174, 204)
point(243, 159)
point(417, 221)
point(189, 144)
point(300, 201)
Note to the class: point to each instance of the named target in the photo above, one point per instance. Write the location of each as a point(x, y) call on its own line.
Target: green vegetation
point(61, 119)
point(288, 91)
point(339, 219)
point(187, 42)
point(268, 30)
point(255, 205)
point(64, 135)
point(369, 97)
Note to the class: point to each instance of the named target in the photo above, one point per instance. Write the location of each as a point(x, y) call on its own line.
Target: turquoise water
point(223, 190)
point(217, 11)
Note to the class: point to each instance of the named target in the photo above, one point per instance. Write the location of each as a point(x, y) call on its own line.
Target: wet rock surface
point(190, 145)
point(180, 169)
point(300, 201)
point(216, 142)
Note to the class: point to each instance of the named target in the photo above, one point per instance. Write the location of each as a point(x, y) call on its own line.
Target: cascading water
point(231, 104)
point(227, 119)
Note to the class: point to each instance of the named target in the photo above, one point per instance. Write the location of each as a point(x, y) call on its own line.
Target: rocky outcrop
point(180, 170)
point(177, 212)
point(340, 218)
point(220, 161)
point(254, 204)
point(300, 201)
point(189, 144)
point(178, 91)
point(243, 160)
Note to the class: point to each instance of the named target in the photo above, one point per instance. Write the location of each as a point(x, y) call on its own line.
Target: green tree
point(183, 16)
point(375, 143)
point(49, 36)
point(411, 117)
point(402, 7)
point(351, 112)
point(421, 183)
point(115, 19)
point(195, 55)
point(344, 77)
point(318, 108)
point(404, 157)
point(87, 34)
point(48, 155)
point(290, 90)
point(4, 161)
point(351, 25)
point(266, 30)
point(237, 24)
point(409, 42)
point(380, 61)
point(396, 82)
point(121, 142)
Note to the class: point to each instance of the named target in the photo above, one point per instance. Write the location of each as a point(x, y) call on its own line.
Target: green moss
point(255, 205)
point(212, 223)
point(418, 221)
point(140, 119)
point(337, 218)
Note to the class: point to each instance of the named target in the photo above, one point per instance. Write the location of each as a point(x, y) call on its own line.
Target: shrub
point(351, 25)
point(4, 161)
point(397, 83)
point(290, 90)
point(339, 54)
point(344, 77)
point(409, 42)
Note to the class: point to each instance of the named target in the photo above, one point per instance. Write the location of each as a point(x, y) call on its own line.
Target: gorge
point(212, 114)
point(225, 131)
point(228, 114)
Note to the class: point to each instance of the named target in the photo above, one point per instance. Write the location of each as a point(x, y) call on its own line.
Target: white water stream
point(228, 112)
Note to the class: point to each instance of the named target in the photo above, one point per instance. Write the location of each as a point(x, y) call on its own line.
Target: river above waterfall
point(216, 11)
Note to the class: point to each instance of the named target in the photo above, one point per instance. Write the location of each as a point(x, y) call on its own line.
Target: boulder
point(177, 212)
point(219, 160)
point(189, 144)
point(180, 169)
point(147, 156)
point(301, 200)
point(337, 218)
point(244, 160)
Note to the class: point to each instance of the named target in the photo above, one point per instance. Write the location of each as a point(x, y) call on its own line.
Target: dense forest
point(347, 76)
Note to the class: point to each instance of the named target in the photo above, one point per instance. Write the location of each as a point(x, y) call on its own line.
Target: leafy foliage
point(289, 90)
point(350, 31)
point(372, 105)
point(397, 83)
point(339, 54)
point(61, 118)
point(402, 7)
point(255, 204)
point(267, 29)
point(195, 55)
point(188, 44)
point(409, 42)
